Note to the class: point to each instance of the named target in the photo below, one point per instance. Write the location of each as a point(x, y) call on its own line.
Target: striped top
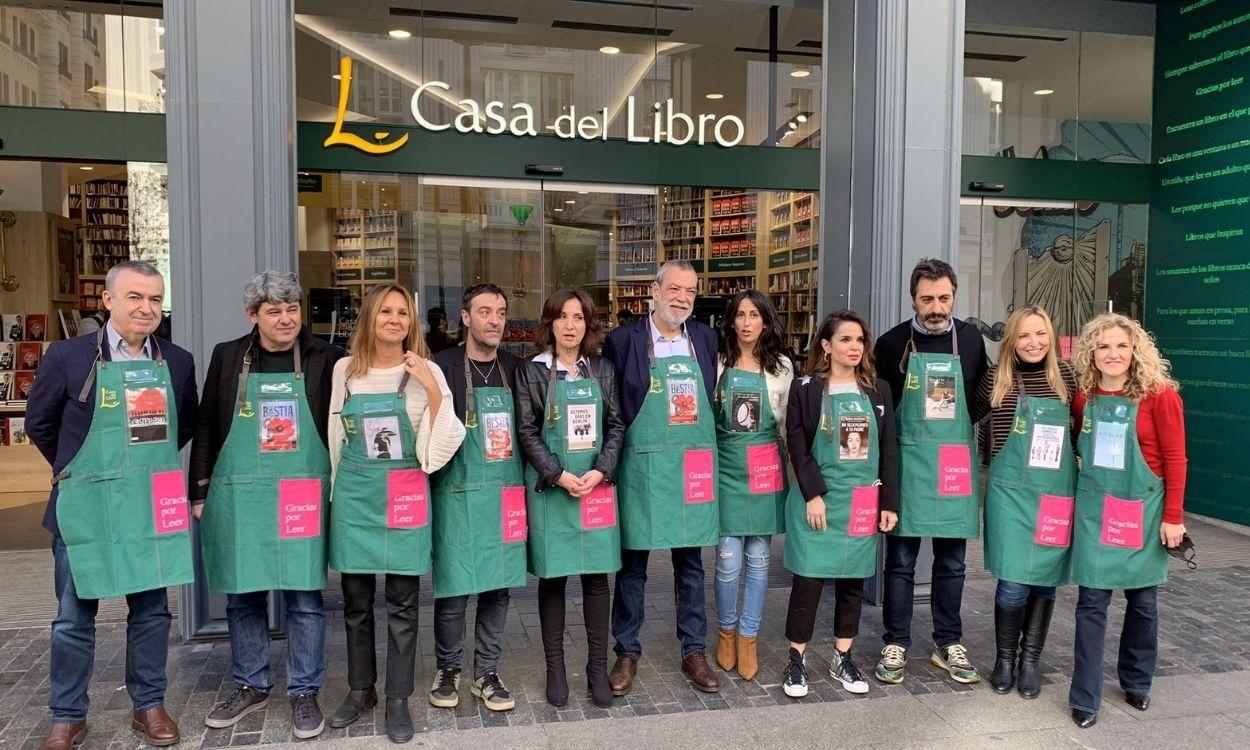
point(995, 429)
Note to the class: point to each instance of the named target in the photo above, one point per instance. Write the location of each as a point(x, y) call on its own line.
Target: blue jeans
point(1011, 595)
point(900, 589)
point(73, 645)
point(629, 600)
point(729, 556)
point(248, 617)
point(1139, 644)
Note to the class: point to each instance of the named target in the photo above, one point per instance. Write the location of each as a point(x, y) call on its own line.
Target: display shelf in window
point(366, 248)
point(100, 210)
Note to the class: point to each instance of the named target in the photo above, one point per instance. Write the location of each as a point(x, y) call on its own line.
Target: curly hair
point(1148, 373)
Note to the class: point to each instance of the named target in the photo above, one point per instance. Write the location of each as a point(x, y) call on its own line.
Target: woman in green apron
point(1029, 492)
point(391, 425)
point(841, 497)
point(570, 429)
point(752, 386)
point(1129, 503)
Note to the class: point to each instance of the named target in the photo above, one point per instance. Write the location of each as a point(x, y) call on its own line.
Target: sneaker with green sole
point(890, 666)
point(954, 659)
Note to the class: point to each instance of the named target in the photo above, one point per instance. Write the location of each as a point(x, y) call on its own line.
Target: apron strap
point(241, 396)
point(89, 383)
point(403, 384)
point(908, 350)
point(651, 346)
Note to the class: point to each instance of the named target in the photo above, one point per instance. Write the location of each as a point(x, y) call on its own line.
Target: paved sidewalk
point(1199, 642)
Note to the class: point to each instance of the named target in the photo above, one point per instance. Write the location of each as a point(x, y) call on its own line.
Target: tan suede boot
point(726, 652)
point(748, 664)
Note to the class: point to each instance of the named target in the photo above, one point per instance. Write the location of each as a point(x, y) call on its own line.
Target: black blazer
point(803, 421)
point(451, 362)
point(533, 379)
point(57, 422)
point(626, 348)
point(221, 386)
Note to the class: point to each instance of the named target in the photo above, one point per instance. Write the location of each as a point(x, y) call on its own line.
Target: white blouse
point(437, 440)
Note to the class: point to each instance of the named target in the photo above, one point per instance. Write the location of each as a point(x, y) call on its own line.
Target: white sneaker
point(843, 669)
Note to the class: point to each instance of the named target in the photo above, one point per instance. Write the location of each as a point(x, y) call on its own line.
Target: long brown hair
point(364, 341)
point(1005, 375)
point(545, 341)
point(818, 364)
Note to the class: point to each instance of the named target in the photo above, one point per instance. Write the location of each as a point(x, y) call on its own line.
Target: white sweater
point(437, 441)
point(778, 390)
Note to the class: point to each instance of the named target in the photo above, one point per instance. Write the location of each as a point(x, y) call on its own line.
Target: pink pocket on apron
point(954, 470)
point(407, 499)
point(864, 507)
point(1054, 521)
point(299, 508)
point(1122, 522)
point(515, 528)
point(169, 502)
point(764, 468)
point(599, 508)
point(700, 479)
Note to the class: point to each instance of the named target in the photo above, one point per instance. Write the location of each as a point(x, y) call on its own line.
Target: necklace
point(486, 377)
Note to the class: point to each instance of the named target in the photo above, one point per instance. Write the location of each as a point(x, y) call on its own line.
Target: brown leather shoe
point(621, 678)
point(748, 663)
point(157, 727)
point(700, 673)
point(64, 736)
point(726, 649)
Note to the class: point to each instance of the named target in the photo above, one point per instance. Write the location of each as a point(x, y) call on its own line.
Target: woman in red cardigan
point(1129, 503)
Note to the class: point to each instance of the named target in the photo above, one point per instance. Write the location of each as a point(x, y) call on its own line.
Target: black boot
point(355, 704)
point(1036, 625)
point(595, 609)
point(1007, 624)
point(398, 721)
point(551, 622)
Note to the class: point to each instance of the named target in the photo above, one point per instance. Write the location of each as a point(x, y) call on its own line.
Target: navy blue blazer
point(57, 423)
point(626, 347)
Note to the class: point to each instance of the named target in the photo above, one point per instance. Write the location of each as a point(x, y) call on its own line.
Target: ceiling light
point(87, 169)
point(1044, 92)
point(399, 33)
point(160, 29)
point(581, 192)
point(609, 50)
point(801, 118)
point(557, 210)
point(570, 201)
point(793, 125)
point(800, 73)
point(337, 77)
point(715, 96)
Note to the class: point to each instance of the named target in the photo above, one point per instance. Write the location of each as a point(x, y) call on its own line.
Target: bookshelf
point(100, 210)
point(792, 263)
point(366, 249)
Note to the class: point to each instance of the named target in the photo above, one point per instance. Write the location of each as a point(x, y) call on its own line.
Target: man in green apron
point(260, 473)
point(479, 521)
point(666, 367)
point(933, 364)
point(110, 411)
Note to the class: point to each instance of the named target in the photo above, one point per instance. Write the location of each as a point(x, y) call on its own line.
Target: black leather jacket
point(532, 380)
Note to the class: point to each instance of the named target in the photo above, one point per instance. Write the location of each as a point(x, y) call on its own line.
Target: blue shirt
point(674, 347)
point(119, 350)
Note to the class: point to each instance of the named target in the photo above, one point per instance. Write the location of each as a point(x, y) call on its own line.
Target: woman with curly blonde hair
point(1132, 482)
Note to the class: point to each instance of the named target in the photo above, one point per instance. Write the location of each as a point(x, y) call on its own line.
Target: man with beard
point(937, 467)
point(479, 505)
point(666, 366)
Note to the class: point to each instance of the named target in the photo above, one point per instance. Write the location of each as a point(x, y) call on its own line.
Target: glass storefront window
point(73, 60)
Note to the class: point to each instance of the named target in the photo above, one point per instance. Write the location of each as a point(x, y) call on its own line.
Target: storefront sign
point(801, 255)
point(496, 118)
point(635, 269)
point(731, 264)
point(777, 260)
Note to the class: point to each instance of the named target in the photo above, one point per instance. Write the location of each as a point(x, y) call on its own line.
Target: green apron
point(847, 548)
point(380, 509)
point(751, 477)
point(1119, 503)
point(122, 500)
point(479, 500)
point(667, 477)
point(936, 467)
point(571, 536)
point(263, 525)
point(1029, 496)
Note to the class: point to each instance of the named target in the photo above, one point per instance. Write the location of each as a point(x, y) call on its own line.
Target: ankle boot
point(355, 704)
point(596, 608)
point(727, 649)
point(748, 664)
point(1007, 624)
point(1036, 626)
point(551, 623)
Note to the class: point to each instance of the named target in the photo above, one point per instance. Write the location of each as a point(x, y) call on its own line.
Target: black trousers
point(805, 597)
point(401, 631)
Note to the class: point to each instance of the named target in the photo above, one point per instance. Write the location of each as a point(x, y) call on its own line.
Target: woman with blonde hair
point(1029, 491)
point(395, 426)
point(1129, 503)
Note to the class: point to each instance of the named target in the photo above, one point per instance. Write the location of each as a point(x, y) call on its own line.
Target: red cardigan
point(1161, 435)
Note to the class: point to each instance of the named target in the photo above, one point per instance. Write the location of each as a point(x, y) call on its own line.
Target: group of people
point(477, 468)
